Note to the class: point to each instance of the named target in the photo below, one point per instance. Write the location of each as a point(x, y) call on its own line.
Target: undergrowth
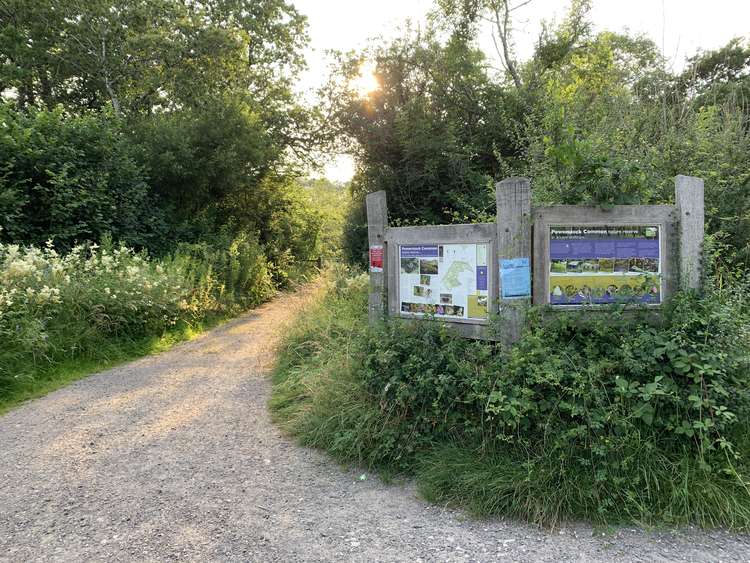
point(616, 418)
point(65, 315)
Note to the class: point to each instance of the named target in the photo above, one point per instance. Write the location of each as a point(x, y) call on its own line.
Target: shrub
point(431, 385)
point(72, 179)
point(614, 415)
point(232, 273)
point(54, 306)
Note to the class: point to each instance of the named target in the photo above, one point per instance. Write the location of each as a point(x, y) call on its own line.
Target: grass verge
point(47, 377)
point(429, 406)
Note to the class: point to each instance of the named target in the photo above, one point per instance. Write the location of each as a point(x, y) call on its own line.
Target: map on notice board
point(449, 281)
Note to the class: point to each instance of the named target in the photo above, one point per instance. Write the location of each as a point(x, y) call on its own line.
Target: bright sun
point(367, 82)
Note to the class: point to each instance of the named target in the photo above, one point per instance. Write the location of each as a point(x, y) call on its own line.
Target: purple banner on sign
point(419, 251)
point(572, 249)
point(482, 278)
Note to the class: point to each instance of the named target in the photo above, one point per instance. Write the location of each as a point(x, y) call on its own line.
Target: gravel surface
point(174, 457)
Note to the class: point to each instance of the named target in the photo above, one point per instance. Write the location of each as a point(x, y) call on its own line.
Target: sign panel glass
point(449, 281)
point(604, 264)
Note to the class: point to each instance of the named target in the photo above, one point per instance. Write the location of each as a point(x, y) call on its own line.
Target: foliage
point(199, 159)
point(138, 56)
point(635, 418)
point(228, 158)
point(332, 203)
point(72, 178)
point(718, 76)
point(57, 307)
point(158, 122)
point(355, 234)
point(432, 135)
point(75, 178)
point(231, 274)
point(591, 118)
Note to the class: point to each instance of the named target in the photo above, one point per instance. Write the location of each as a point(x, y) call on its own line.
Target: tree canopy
point(177, 118)
point(591, 117)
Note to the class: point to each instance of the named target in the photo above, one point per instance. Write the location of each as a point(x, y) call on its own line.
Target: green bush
point(432, 384)
point(72, 179)
point(233, 273)
point(612, 416)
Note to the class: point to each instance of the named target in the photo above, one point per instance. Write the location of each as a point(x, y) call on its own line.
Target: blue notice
point(515, 278)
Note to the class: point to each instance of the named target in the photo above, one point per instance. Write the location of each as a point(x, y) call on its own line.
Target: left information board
point(449, 281)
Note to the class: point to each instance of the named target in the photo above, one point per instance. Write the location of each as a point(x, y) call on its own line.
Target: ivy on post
point(689, 202)
point(377, 223)
point(513, 196)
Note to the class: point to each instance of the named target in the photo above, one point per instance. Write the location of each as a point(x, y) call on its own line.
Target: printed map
point(449, 281)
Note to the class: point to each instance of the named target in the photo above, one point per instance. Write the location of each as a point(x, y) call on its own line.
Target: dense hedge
point(72, 179)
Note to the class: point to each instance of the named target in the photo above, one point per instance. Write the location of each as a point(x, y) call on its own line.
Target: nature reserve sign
point(561, 256)
point(601, 264)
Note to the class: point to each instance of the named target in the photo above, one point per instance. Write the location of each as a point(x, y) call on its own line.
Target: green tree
point(72, 178)
point(142, 55)
point(433, 135)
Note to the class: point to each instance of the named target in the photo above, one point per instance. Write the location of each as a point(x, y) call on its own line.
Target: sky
point(679, 27)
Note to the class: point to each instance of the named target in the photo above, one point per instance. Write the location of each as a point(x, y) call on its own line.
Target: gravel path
point(174, 457)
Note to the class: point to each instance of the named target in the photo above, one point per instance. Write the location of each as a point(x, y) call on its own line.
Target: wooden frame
point(481, 233)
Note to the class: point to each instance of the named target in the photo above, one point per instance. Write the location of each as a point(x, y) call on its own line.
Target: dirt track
point(174, 457)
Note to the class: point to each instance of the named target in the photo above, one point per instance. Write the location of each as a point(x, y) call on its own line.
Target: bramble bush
point(613, 415)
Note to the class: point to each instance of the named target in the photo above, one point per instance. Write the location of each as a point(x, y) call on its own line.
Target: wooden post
point(689, 202)
point(513, 197)
point(377, 223)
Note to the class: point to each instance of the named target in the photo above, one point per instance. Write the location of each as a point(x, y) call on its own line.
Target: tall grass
point(316, 354)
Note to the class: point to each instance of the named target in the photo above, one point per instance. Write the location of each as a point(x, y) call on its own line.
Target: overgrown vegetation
point(93, 304)
point(169, 132)
point(156, 123)
point(613, 419)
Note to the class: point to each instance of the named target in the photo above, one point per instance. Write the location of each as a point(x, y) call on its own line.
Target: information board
point(449, 281)
point(604, 264)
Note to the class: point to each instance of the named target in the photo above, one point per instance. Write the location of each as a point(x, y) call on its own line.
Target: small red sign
point(376, 258)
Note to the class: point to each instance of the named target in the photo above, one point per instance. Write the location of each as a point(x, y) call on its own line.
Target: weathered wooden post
point(377, 223)
point(689, 202)
point(513, 197)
